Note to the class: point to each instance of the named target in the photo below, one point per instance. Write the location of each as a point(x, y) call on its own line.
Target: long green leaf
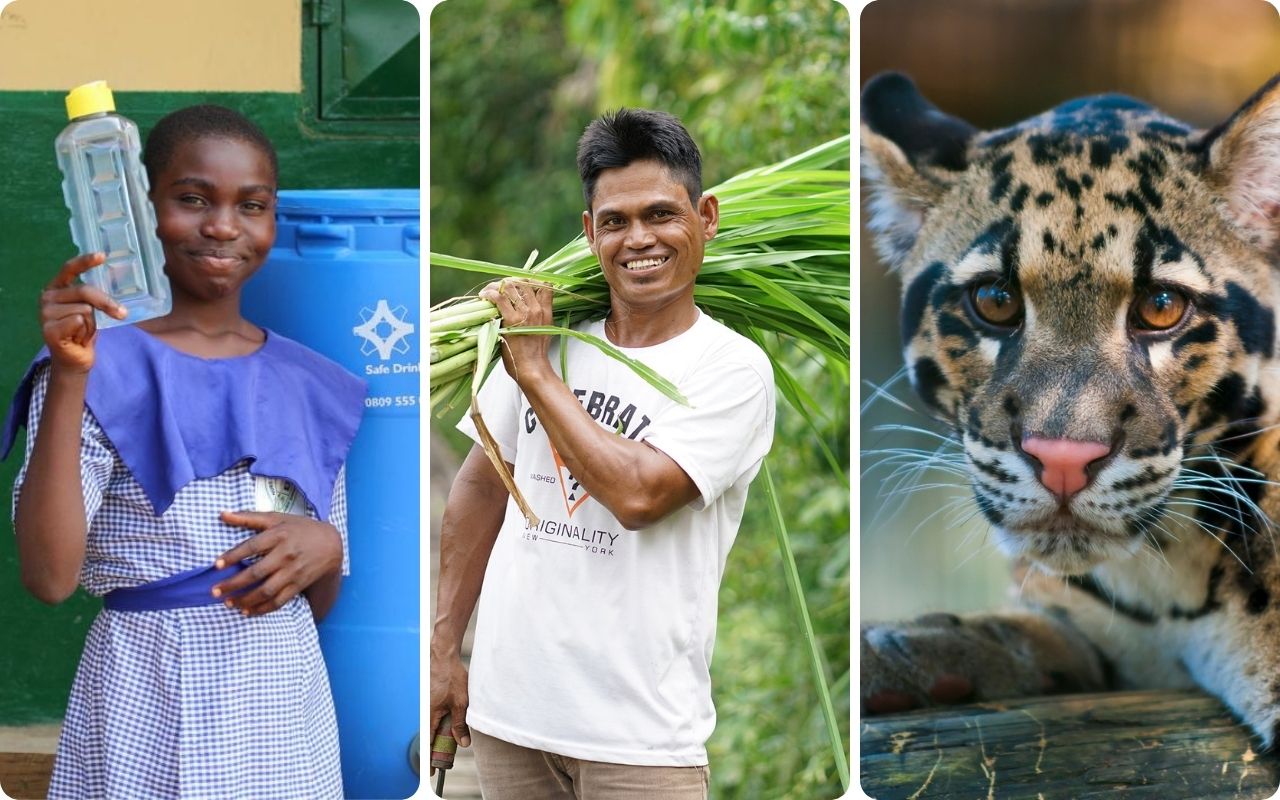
point(639, 367)
point(450, 396)
point(733, 262)
point(788, 300)
point(792, 575)
point(489, 268)
point(486, 344)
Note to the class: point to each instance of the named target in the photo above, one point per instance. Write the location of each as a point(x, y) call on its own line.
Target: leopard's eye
point(997, 303)
point(1159, 308)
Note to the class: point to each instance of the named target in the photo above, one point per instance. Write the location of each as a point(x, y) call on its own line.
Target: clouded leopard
point(1088, 302)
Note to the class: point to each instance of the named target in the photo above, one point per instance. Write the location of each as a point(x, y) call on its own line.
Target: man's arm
point(639, 484)
point(472, 518)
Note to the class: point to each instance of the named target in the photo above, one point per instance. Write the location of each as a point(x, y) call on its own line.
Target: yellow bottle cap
point(90, 98)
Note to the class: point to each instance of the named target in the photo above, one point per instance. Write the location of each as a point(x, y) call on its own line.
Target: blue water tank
point(343, 279)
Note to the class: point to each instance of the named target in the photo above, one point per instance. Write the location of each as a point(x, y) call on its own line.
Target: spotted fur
point(1082, 213)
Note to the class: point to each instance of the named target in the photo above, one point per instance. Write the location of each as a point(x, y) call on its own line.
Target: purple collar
point(175, 417)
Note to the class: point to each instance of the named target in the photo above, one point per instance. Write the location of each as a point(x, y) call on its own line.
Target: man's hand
point(293, 552)
point(522, 303)
point(66, 314)
point(449, 695)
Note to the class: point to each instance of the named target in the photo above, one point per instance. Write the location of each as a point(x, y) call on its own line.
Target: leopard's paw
point(941, 659)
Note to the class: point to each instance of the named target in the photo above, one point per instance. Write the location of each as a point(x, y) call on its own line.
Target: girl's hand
point(66, 314)
point(293, 552)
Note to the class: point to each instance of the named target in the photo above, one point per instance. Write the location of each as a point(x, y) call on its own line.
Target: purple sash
point(184, 590)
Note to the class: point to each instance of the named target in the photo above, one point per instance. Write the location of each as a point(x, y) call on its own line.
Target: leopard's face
point(1079, 304)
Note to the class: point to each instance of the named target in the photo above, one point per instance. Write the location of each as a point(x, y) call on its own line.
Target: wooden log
point(25, 776)
point(1157, 744)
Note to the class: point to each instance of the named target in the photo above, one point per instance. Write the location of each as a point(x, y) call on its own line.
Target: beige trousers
point(511, 772)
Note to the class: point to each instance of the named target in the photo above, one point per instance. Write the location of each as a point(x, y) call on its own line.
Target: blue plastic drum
point(343, 279)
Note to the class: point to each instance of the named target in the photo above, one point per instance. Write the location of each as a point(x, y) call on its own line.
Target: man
point(590, 667)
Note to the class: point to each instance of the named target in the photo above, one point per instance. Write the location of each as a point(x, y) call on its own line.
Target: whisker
point(1022, 584)
point(1222, 485)
point(1218, 459)
point(887, 458)
point(1230, 484)
point(972, 555)
point(905, 479)
point(1215, 507)
point(1206, 528)
point(898, 427)
point(1228, 425)
point(1151, 544)
point(881, 392)
point(974, 530)
point(952, 505)
point(1229, 479)
point(912, 472)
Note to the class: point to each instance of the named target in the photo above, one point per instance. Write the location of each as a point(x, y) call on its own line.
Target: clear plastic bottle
point(105, 187)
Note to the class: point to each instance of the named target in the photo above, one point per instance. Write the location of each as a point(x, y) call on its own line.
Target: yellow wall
point(152, 45)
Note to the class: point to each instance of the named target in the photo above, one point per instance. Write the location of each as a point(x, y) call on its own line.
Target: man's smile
point(646, 263)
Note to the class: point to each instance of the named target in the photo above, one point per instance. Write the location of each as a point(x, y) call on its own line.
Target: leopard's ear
point(1243, 164)
point(910, 153)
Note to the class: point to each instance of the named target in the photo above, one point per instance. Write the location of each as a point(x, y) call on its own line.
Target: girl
point(189, 469)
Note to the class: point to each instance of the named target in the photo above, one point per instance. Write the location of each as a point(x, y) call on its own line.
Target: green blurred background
point(513, 84)
point(995, 62)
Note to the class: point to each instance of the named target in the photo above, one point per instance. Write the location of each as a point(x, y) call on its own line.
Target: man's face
point(647, 235)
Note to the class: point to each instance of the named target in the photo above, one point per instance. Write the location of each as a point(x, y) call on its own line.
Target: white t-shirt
point(593, 641)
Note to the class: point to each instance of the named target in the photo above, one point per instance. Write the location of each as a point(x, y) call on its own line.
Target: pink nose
point(1064, 462)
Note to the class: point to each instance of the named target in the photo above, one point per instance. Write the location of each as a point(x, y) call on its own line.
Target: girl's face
point(215, 215)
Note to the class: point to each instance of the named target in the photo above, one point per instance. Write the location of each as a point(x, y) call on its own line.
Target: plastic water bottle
point(105, 187)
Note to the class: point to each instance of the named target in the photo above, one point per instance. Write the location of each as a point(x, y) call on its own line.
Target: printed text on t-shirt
point(603, 408)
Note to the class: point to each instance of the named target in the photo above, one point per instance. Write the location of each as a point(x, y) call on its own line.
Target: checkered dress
point(191, 702)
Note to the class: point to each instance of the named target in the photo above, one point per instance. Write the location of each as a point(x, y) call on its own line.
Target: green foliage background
point(513, 84)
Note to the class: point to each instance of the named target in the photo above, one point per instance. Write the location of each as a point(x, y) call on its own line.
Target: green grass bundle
point(777, 272)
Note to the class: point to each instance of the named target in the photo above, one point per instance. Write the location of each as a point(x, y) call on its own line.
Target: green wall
point(40, 645)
